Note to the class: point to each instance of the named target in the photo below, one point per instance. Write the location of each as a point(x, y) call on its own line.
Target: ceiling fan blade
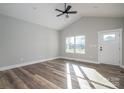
point(72, 12)
point(68, 8)
point(60, 14)
point(59, 10)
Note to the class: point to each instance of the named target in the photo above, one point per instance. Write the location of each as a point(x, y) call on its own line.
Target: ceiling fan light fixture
point(67, 16)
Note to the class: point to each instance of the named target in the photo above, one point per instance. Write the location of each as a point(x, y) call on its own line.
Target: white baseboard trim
point(25, 64)
point(81, 60)
point(44, 60)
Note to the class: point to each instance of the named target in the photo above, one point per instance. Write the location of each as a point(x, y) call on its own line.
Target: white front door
point(109, 47)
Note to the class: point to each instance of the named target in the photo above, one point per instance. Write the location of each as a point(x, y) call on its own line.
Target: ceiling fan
point(66, 11)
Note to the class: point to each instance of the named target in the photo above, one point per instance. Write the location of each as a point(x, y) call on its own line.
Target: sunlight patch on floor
point(97, 86)
point(69, 83)
point(93, 75)
point(77, 71)
point(82, 83)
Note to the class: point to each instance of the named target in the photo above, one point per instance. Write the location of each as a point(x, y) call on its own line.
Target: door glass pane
point(80, 44)
point(109, 37)
point(70, 45)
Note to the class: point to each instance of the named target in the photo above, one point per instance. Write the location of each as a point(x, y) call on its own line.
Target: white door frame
point(120, 56)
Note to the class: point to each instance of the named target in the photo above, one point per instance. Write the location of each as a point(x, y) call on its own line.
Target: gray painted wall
point(89, 26)
point(22, 42)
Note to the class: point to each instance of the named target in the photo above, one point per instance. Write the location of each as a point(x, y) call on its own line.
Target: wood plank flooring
point(63, 74)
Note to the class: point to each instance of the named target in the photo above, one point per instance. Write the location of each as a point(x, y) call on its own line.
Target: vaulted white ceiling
point(45, 14)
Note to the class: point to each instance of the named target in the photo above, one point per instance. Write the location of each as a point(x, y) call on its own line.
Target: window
point(80, 44)
point(70, 45)
point(109, 37)
point(75, 44)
